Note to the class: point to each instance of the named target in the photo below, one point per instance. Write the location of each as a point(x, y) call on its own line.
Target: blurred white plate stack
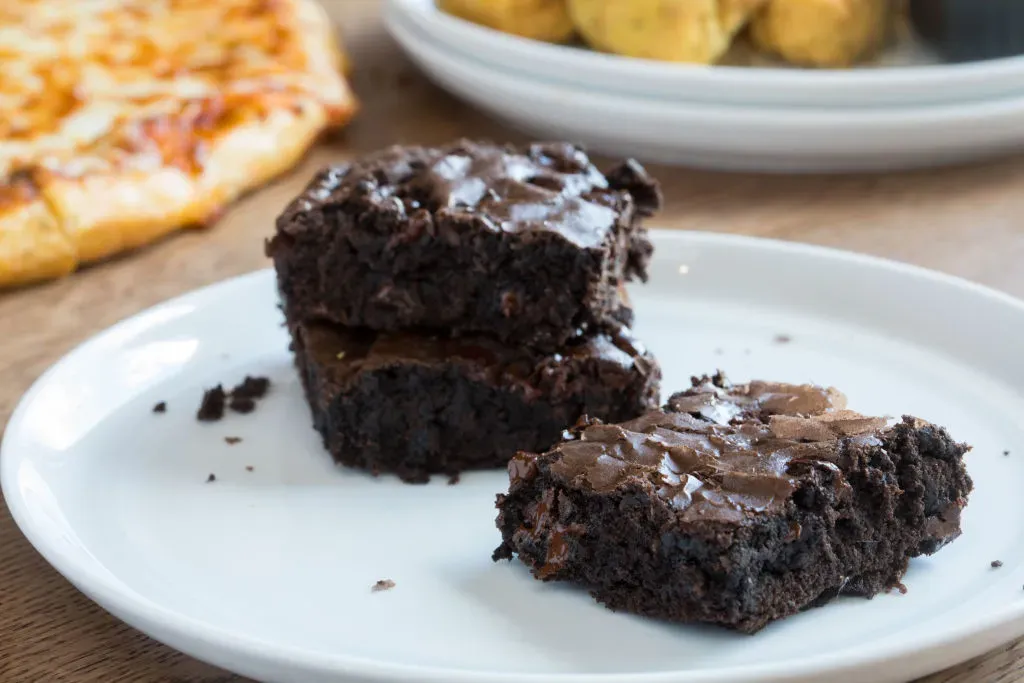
point(908, 111)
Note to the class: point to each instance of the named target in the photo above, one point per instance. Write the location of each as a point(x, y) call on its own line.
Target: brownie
point(735, 505)
point(415, 404)
point(528, 245)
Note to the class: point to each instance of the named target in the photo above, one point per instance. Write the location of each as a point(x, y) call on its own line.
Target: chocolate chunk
point(212, 478)
point(996, 564)
point(232, 440)
point(212, 407)
point(160, 407)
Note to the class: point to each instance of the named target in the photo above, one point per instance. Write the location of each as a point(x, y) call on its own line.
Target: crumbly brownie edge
point(416, 419)
point(633, 554)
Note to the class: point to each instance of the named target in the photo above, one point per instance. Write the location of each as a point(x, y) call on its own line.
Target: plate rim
point(973, 636)
point(731, 137)
point(786, 117)
point(852, 85)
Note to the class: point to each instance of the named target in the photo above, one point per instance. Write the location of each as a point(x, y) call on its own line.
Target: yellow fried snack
point(123, 120)
point(546, 20)
point(832, 33)
point(699, 31)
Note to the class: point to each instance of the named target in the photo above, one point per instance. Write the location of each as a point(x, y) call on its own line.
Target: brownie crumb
point(453, 479)
point(242, 404)
point(996, 564)
point(232, 440)
point(160, 407)
point(212, 478)
point(1006, 452)
point(901, 588)
point(212, 407)
point(248, 468)
point(383, 585)
point(782, 339)
point(251, 387)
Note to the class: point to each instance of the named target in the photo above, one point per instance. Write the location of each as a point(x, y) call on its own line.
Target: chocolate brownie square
point(531, 246)
point(415, 404)
point(735, 505)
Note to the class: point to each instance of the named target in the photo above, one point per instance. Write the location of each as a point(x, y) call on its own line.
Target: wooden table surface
point(966, 221)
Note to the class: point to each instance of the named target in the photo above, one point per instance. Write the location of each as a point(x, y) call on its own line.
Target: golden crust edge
point(45, 239)
point(134, 209)
point(327, 58)
point(33, 248)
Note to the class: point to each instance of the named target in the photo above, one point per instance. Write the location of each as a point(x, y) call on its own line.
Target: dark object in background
point(969, 30)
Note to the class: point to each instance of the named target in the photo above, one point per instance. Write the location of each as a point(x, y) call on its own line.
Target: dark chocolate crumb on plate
point(1006, 452)
point(242, 404)
point(244, 395)
point(383, 585)
point(212, 407)
point(248, 468)
point(232, 440)
point(160, 407)
point(996, 564)
point(453, 479)
point(212, 478)
point(782, 339)
point(251, 387)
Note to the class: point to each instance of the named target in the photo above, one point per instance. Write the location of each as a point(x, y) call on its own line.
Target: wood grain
point(966, 221)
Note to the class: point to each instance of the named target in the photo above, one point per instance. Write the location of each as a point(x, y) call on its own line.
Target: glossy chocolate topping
point(712, 398)
point(550, 188)
point(715, 451)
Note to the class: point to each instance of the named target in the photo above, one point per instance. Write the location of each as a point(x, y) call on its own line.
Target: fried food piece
point(699, 31)
point(546, 20)
point(830, 33)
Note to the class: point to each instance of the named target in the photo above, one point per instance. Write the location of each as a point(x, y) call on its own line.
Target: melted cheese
point(134, 117)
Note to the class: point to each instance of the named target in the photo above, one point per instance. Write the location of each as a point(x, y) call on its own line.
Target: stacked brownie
point(451, 306)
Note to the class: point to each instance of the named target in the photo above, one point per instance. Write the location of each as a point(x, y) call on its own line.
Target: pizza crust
point(137, 159)
point(138, 207)
point(32, 245)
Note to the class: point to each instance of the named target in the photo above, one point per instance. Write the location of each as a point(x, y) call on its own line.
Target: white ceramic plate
point(908, 75)
point(268, 572)
point(751, 138)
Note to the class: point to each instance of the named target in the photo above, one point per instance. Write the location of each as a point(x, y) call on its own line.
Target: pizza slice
point(126, 119)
